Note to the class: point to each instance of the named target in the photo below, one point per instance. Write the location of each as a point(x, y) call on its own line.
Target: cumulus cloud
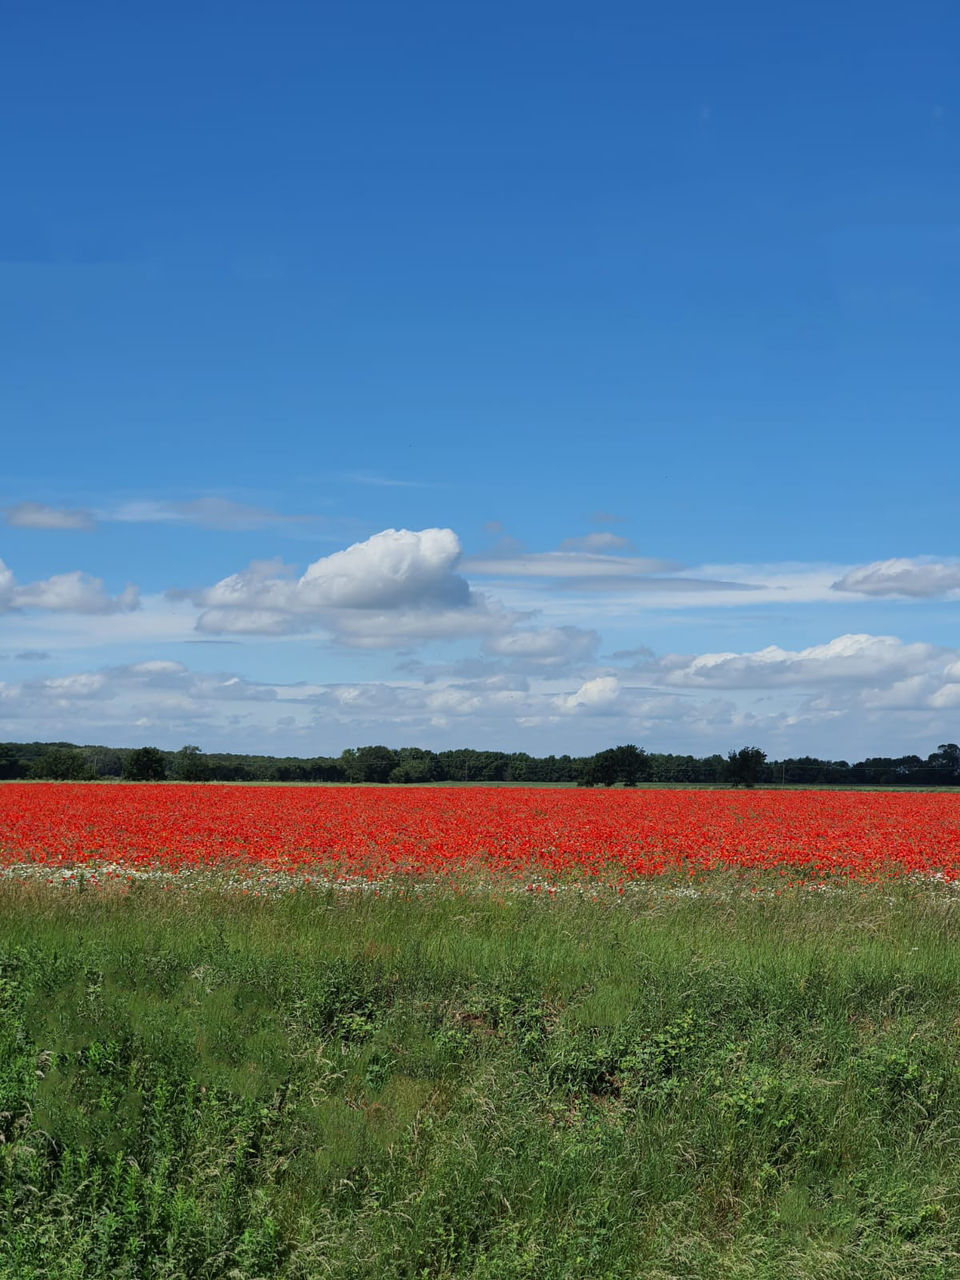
point(397, 585)
point(74, 592)
point(168, 703)
point(854, 658)
point(37, 515)
point(853, 696)
point(871, 689)
point(394, 568)
point(919, 578)
point(596, 696)
point(946, 697)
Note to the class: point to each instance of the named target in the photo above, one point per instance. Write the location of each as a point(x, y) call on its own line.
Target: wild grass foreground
point(692, 1079)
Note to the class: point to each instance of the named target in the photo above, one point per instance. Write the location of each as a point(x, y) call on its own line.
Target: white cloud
point(370, 629)
point(74, 592)
point(37, 515)
point(394, 568)
point(155, 621)
point(85, 685)
point(544, 647)
point(893, 697)
point(947, 696)
point(574, 582)
point(911, 692)
point(849, 658)
point(160, 701)
point(598, 695)
point(919, 578)
point(397, 586)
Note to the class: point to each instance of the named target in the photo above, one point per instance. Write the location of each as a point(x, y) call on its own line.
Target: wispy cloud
point(207, 513)
point(38, 515)
point(569, 564)
point(571, 584)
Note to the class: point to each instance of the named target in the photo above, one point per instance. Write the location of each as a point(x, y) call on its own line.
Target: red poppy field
point(527, 834)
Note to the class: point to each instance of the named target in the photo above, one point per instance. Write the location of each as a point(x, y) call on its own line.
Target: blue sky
point(649, 311)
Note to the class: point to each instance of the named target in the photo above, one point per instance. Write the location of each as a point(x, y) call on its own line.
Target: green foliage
point(188, 765)
point(414, 765)
point(146, 764)
point(368, 764)
point(745, 767)
point(626, 765)
point(61, 764)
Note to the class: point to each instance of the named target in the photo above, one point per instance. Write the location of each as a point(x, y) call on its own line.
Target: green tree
point(146, 764)
point(414, 765)
point(625, 764)
point(745, 767)
point(188, 765)
point(601, 770)
point(61, 764)
point(631, 764)
point(945, 762)
point(11, 766)
point(369, 764)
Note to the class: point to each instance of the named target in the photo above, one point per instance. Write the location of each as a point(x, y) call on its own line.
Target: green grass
point(201, 1085)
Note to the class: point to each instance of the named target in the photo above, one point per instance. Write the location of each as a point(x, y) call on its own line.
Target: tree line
point(625, 765)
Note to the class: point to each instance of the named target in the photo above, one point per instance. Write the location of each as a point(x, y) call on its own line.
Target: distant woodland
point(625, 765)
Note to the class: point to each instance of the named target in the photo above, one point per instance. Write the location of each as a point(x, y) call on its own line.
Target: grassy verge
point(682, 1084)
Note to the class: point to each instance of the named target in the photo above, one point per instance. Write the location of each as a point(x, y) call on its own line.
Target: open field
point(453, 783)
point(538, 834)
point(495, 1068)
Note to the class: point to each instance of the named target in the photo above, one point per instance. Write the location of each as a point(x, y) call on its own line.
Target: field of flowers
point(526, 833)
point(492, 1034)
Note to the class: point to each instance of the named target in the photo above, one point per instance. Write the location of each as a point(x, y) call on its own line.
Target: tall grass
point(332, 1085)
